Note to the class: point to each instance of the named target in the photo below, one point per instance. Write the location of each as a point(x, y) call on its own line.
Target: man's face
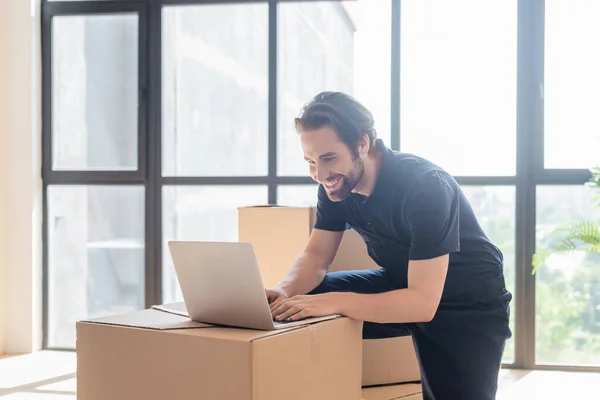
point(331, 163)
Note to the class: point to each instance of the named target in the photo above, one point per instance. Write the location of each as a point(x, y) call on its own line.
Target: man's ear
point(364, 145)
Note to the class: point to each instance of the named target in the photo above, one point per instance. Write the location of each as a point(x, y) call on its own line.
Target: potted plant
point(584, 235)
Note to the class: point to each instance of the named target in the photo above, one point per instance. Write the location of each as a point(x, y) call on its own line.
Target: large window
point(95, 254)
point(571, 85)
point(324, 45)
point(162, 118)
point(568, 284)
point(458, 89)
point(95, 213)
point(95, 92)
point(215, 90)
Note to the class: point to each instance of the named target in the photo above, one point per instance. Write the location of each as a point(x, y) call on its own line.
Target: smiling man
point(441, 279)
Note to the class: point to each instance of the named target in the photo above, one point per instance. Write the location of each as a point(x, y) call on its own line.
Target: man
point(441, 279)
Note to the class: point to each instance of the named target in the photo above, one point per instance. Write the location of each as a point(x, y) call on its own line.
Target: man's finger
point(285, 302)
point(276, 305)
point(275, 302)
point(283, 306)
point(293, 310)
point(301, 315)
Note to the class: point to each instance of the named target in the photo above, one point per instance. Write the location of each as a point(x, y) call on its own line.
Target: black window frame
point(530, 170)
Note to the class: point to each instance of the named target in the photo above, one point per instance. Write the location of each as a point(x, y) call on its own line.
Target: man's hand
point(300, 307)
point(275, 297)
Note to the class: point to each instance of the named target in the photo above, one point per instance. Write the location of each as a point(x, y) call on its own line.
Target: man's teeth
point(331, 183)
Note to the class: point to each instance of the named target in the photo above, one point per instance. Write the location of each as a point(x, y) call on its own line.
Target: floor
point(50, 375)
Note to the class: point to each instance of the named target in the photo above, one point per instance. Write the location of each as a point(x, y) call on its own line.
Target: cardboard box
point(153, 354)
point(279, 234)
point(390, 360)
point(277, 246)
point(406, 391)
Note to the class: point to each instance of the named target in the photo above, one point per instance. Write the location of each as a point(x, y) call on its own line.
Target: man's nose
point(321, 174)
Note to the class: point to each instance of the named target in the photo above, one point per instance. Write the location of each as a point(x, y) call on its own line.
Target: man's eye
point(329, 159)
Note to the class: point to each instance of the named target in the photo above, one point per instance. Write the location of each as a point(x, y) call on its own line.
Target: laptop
point(221, 284)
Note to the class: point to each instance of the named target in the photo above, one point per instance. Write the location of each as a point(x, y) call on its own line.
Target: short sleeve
point(330, 214)
point(432, 214)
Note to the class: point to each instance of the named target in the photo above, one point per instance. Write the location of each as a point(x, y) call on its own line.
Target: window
point(160, 120)
point(494, 207)
point(215, 90)
point(297, 195)
point(96, 255)
point(567, 284)
point(329, 46)
point(458, 84)
point(95, 197)
point(95, 92)
point(571, 84)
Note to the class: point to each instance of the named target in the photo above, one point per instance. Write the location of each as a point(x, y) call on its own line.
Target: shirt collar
point(386, 170)
point(382, 186)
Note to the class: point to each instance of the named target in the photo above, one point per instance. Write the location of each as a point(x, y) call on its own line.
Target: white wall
point(3, 173)
point(20, 176)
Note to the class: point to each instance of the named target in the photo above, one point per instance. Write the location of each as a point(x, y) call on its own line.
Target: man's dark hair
point(342, 113)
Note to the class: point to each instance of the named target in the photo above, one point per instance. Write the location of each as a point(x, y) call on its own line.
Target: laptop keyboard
point(284, 322)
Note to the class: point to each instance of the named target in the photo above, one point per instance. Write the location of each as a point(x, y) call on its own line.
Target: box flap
point(237, 334)
point(391, 392)
point(149, 319)
point(246, 335)
point(173, 308)
point(232, 333)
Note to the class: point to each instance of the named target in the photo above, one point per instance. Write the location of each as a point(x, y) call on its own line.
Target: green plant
point(584, 236)
point(595, 182)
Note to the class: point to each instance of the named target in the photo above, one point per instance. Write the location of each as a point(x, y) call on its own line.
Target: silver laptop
point(221, 284)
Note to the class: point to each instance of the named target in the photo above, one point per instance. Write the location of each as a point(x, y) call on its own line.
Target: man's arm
point(432, 215)
point(417, 303)
point(312, 265)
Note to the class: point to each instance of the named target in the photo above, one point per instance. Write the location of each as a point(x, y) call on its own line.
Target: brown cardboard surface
point(124, 361)
point(405, 391)
point(275, 253)
point(180, 309)
point(389, 361)
point(279, 234)
point(151, 319)
point(305, 371)
point(277, 247)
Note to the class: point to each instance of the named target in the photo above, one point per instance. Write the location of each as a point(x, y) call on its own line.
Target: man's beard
point(349, 181)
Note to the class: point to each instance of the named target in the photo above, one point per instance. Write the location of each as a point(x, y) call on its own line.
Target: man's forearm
point(306, 274)
point(398, 306)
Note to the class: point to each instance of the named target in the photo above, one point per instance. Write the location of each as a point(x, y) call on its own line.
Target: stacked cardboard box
point(156, 354)
point(159, 353)
point(279, 234)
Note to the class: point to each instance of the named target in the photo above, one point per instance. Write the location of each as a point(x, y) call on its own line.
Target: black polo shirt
point(417, 211)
